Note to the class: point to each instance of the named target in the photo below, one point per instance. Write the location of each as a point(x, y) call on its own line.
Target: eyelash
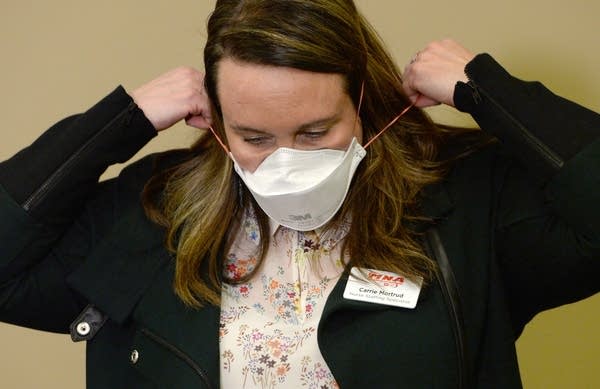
point(258, 140)
point(311, 135)
point(314, 134)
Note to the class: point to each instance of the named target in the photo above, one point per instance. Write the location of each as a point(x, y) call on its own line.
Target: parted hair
point(200, 200)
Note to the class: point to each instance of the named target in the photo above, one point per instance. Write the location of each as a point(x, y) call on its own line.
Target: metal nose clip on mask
point(304, 189)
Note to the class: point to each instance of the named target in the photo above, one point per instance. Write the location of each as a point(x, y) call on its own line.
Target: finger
point(424, 101)
point(198, 121)
point(408, 83)
point(415, 95)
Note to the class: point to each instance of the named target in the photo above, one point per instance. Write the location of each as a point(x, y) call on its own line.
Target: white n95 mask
point(303, 189)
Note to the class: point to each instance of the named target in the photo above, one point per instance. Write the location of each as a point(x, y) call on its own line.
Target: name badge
point(382, 287)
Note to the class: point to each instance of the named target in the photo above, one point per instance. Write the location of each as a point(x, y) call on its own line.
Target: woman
point(246, 295)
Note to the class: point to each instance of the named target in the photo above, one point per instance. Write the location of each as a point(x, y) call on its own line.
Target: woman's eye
point(255, 140)
point(314, 134)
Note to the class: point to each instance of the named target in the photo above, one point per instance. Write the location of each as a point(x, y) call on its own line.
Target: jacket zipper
point(38, 196)
point(179, 354)
point(554, 159)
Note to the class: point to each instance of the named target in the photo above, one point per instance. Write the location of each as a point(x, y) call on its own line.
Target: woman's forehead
point(248, 90)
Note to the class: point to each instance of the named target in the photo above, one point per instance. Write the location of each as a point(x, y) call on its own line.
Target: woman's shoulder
point(470, 150)
point(477, 161)
point(138, 173)
point(124, 192)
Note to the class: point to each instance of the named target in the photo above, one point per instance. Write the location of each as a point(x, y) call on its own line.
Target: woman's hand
point(176, 95)
point(434, 71)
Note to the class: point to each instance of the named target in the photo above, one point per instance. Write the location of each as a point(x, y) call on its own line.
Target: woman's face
point(267, 107)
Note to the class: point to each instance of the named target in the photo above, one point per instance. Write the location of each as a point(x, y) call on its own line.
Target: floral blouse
point(268, 332)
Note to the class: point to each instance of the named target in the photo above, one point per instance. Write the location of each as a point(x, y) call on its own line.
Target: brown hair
point(200, 199)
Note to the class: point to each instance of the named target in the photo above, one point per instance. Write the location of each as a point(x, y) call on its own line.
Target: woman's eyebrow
point(241, 128)
point(323, 122)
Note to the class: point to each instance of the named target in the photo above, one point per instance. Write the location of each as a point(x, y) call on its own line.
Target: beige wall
point(59, 57)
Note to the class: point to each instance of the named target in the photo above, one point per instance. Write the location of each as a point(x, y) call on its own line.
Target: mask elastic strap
point(393, 121)
point(219, 140)
point(360, 99)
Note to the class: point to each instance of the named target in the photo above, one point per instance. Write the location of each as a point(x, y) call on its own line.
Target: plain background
point(60, 57)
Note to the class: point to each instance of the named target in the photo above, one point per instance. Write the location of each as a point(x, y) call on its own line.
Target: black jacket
point(515, 218)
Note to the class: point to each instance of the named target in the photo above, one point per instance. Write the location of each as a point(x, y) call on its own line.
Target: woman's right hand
point(176, 95)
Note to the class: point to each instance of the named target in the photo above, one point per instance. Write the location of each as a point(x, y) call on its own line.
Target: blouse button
point(135, 355)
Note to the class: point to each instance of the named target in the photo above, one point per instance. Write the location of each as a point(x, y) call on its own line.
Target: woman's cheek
point(247, 159)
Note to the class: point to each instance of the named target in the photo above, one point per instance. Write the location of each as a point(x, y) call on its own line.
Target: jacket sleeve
point(43, 189)
point(547, 214)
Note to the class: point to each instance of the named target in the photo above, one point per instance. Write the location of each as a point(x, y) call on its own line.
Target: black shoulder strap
point(445, 277)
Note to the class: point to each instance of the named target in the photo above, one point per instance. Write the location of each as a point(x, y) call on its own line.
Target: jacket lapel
point(359, 340)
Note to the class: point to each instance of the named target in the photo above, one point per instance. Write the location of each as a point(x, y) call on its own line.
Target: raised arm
point(547, 215)
point(53, 208)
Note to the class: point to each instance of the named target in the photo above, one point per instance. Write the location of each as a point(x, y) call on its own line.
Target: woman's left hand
point(433, 72)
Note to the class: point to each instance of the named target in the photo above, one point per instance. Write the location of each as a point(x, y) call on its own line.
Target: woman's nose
point(287, 142)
